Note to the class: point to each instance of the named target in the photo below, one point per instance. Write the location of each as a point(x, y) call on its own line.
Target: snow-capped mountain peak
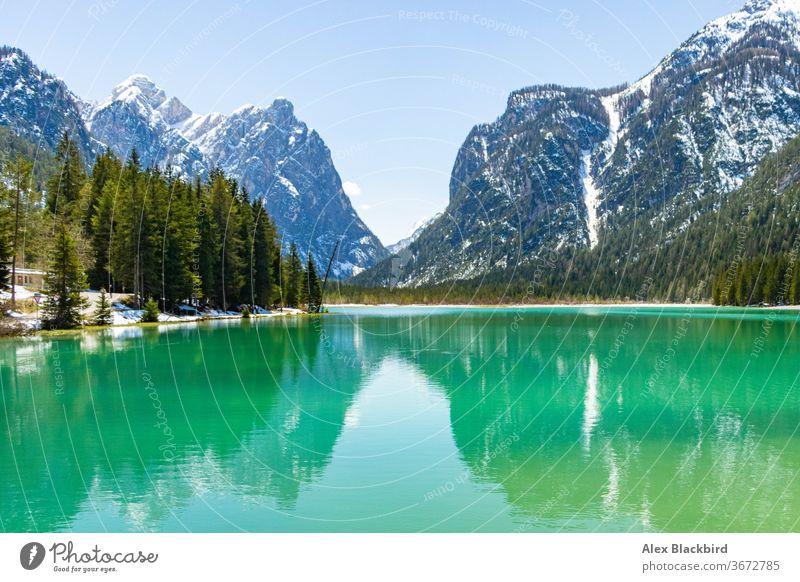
point(772, 7)
point(722, 32)
point(138, 88)
point(282, 111)
point(245, 109)
point(257, 145)
point(716, 37)
point(149, 100)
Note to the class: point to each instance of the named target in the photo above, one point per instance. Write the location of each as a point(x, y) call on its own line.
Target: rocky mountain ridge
point(272, 154)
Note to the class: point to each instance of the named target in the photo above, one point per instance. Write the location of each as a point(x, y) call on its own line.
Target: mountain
point(274, 156)
point(268, 150)
point(38, 106)
point(138, 115)
point(404, 243)
point(610, 173)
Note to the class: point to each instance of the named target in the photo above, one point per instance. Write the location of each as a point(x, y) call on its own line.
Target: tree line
point(772, 280)
point(146, 232)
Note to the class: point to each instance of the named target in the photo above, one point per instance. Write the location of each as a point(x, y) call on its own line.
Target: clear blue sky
point(393, 93)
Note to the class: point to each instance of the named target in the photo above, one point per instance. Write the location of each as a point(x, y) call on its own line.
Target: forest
point(141, 231)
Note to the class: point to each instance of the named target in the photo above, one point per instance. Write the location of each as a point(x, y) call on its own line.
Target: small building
point(30, 278)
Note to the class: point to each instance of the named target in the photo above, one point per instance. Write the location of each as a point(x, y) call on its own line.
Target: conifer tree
point(106, 170)
point(227, 287)
point(294, 277)
point(208, 258)
point(263, 255)
point(63, 285)
point(102, 312)
point(17, 174)
point(64, 186)
point(101, 238)
point(312, 289)
point(177, 247)
point(246, 236)
point(794, 284)
point(716, 291)
point(132, 260)
point(148, 235)
point(279, 275)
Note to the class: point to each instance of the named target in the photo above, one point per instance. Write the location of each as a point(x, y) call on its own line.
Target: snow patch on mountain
point(591, 191)
point(591, 196)
point(716, 37)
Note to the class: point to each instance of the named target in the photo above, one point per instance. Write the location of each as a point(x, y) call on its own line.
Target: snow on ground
point(21, 293)
point(591, 196)
point(611, 104)
point(122, 315)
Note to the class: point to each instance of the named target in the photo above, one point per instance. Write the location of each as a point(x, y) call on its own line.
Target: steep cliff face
point(138, 115)
point(276, 156)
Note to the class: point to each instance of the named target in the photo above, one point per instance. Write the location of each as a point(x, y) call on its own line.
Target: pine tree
point(177, 248)
point(102, 234)
point(263, 255)
point(312, 290)
point(151, 313)
point(64, 187)
point(208, 258)
point(132, 260)
point(279, 275)
point(17, 174)
point(63, 285)
point(223, 205)
point(102, 312)
point(247, 227)
point(294, 277)
point(148, 235)
point(793, 296)
point(106, 170)
point(716, 291)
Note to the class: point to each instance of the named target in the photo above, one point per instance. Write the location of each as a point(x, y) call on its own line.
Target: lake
point(409, 419)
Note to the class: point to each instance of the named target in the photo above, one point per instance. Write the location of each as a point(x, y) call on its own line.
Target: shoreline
point(37, 332)
point(32, 331)
point(601, 305)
